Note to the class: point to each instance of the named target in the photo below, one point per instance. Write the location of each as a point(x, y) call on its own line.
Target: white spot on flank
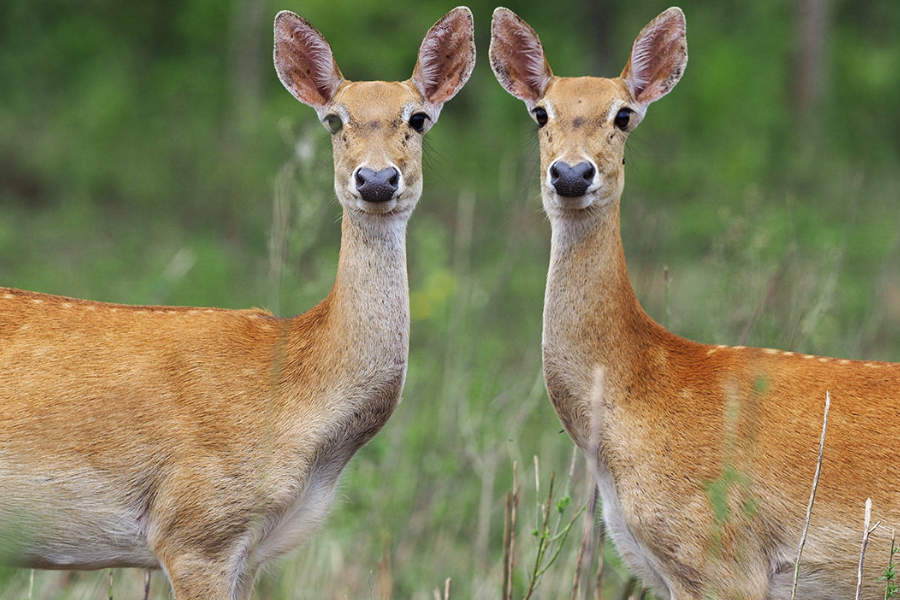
point(770, 351)
point(823, 359)
point(843, 361)
point(37, 301)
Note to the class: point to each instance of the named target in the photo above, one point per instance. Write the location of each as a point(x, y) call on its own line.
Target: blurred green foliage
point(145, 148)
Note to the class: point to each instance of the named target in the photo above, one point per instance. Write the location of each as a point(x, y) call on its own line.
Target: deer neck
point(369, 303)
point(361, 330)
point(371, 290)
point(595, 330)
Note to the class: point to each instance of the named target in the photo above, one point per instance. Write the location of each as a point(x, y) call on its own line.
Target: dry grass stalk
point(598, 580)
point(509, 535)
point(437, 591)
point(385, 573)
point(588, 545)
point(543, 533)
point(865, 542)
point(629, 588)
point(147, 584)
point(812, 496)
point(890, 586)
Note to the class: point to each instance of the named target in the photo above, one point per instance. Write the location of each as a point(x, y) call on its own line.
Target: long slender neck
point(362, 326)
point(370, 297)
point(593, 324)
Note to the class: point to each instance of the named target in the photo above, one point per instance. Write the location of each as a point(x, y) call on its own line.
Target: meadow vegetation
point(148, 155)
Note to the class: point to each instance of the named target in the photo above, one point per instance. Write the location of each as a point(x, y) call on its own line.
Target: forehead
point(584, 95)
point(376, 99)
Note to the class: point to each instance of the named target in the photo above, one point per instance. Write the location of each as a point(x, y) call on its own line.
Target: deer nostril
point(587, 171)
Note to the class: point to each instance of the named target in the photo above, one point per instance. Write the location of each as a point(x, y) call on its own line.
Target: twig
point(865, 541)
point(30, 584)
point(598, 581)
point(437, 591)
point(812, 496)
point(147, 584)
point(506, 543)
point(543, 534)
point(629, 588)
point(587, 541)
point(509, 535)
point(890, 588)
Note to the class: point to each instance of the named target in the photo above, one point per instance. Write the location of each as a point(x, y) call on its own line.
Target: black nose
point(377, 186)
point(570, 181)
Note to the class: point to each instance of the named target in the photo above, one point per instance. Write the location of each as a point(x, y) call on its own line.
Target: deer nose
point(570, 181)
point(377, 186)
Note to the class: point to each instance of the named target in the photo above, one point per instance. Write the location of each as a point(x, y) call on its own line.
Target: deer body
point(206, 441)
point(704, 455)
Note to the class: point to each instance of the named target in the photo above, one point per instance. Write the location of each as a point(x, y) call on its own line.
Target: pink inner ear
point(531, 55)
point(429, 71)
point(321, 61)
point(657, 59)
point(446, 57)
point(517, 58)
point(304, 61)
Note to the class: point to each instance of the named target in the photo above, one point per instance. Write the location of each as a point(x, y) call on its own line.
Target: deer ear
point(517, 57)
point(304, 61)
point(446, 57)
point(658, 58)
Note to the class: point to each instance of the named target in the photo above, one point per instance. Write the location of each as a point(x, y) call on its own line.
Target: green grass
point(424, 501)
point(154, 192)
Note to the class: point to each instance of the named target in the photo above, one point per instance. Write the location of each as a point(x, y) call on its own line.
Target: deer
point(703, 455)
point(205, 441)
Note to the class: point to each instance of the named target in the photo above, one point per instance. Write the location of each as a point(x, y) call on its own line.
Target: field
point(150, 156)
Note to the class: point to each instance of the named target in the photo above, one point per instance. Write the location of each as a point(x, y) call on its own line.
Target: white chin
point(375, 208)
point(571, 203)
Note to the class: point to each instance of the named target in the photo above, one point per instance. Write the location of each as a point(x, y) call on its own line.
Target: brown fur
point(207, 441)
point(704, 454)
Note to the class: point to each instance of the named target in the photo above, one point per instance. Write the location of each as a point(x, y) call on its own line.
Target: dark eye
point(622, 118)
point(540, 115)
point(417, 121)
point(333, 123)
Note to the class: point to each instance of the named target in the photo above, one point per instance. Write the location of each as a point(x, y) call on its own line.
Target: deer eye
point(540, 115)
point(417, 121)
point(623, 117)
point(333, 123)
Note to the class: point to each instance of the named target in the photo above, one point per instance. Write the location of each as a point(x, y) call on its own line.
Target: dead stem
point(812, 496)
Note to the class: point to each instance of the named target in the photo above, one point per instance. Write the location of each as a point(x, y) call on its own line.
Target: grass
point(424, 501)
